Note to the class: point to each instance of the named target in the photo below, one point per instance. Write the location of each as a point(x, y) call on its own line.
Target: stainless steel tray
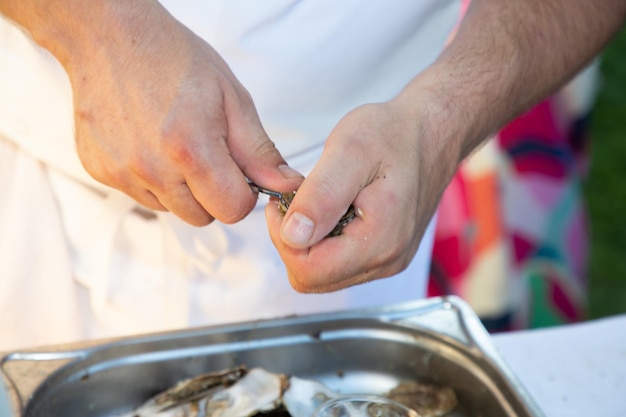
point(439, 340)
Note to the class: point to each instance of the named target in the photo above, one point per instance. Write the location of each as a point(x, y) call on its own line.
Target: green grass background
point(605, 187)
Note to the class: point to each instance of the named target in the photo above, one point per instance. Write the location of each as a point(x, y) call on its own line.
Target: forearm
point(73, 30)
point(506, 56)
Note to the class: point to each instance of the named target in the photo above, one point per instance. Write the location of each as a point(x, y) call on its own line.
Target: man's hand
point(158, 113)
point(395, 159)
point(377, 158)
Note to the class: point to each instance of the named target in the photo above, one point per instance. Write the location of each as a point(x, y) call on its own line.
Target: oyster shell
point(285, 201)
point(304, 396)
point(427, 399)
point(250, 393)
point(241, 393)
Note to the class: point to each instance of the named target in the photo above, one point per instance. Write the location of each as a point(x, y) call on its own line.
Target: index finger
point(219, 185)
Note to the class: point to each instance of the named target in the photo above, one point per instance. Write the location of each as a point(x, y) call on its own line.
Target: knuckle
point(95, 171)
point(199, 220)
point(264, 147)
point(181, 151)
point(326, 192)
point(245, 98)
point(237, 212)
point(186, 146)
point(139, 166)
point(90, 162)
point(107, 173)
point(116, 177)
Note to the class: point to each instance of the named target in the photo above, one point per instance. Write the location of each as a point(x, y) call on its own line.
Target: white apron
point(79, 260)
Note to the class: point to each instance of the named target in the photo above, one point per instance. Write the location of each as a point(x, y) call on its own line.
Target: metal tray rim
point(447, 316)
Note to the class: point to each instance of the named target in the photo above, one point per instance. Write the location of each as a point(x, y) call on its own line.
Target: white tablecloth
point(571, 371)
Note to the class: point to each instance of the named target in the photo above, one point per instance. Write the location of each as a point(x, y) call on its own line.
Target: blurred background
point(531, 231)
point(605, 187)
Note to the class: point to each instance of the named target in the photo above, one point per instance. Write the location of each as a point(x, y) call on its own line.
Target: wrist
point(441, 128)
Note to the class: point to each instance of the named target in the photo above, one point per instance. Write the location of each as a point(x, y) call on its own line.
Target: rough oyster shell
point(241, 393)
point(252, 392)
point(285, 201)
point(427, 399)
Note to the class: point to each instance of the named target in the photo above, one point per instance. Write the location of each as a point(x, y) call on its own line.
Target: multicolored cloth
point(511, 236)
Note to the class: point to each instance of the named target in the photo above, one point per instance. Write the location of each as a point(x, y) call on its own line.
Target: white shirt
point(79, 261)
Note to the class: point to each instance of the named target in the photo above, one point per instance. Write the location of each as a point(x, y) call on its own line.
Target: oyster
point(427, 399)
point(304, 396)
point(285, 201)
point(218, 395)
point(241, 393)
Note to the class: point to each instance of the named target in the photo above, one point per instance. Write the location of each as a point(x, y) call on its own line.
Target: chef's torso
point(104, 269)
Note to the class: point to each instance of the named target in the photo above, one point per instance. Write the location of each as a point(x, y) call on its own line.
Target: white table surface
point(571, 371)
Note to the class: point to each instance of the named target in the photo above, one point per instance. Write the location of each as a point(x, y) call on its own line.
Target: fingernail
point(298, 230)
point(288, 172)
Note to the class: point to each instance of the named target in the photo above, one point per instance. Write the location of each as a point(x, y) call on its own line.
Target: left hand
point(378, 159)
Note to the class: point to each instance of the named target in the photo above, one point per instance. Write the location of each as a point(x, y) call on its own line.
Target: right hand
point(161, 117)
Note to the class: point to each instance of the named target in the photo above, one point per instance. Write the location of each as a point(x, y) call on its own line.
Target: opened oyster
point(285, 199)
point(241, 393)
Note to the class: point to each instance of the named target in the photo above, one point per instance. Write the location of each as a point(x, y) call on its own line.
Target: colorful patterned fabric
point(511, 236)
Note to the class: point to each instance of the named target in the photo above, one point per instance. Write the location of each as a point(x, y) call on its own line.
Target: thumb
point(324, 197)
